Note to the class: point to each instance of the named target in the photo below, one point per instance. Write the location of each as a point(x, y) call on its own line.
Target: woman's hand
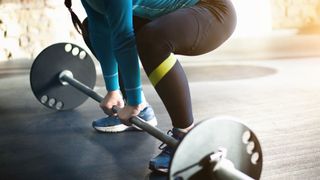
point(129, 111)
point(113, 98)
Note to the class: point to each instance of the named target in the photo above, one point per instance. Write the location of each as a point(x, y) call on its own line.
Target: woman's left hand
point(129, 111)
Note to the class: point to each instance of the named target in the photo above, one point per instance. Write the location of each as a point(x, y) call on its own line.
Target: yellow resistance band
point(162, 69)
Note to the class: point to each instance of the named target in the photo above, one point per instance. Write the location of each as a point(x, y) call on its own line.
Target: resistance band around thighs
point(157, 74)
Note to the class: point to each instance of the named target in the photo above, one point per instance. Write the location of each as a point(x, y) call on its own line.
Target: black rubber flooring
point(278, 99)
point(38, 143)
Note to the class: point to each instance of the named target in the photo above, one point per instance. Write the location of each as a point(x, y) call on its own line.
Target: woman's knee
point(152, 43)
point(152, 47)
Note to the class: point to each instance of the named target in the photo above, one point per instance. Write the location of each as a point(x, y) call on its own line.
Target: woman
point(119, 30)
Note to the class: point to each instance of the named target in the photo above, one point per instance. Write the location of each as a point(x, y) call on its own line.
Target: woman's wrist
point(115, 92)
point(139, 107)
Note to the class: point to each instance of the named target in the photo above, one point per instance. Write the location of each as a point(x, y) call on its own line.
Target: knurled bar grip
point(155, 132)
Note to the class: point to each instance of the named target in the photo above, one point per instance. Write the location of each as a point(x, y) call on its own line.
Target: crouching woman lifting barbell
point(62, 77)
point(187, 27)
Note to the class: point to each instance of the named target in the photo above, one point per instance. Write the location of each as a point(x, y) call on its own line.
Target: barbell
point(62, 77)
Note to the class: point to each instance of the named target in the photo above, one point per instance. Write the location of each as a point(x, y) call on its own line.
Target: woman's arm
point(119, 17)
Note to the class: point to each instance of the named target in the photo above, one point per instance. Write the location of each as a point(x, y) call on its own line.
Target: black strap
point(75, 20)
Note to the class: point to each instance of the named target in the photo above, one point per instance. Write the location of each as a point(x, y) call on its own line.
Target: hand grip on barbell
point(157, 133)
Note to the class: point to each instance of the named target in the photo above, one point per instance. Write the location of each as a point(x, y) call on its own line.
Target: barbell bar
point(65, 76)
point(224, 145)
point(223, 167)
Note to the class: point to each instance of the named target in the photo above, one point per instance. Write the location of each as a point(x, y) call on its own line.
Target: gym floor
point(273, 90)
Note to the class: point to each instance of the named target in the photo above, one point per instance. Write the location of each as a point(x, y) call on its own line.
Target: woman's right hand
point(113, 98)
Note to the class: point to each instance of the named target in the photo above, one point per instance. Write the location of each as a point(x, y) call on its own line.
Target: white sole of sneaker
point(122, 127)
point(113, 129)
point(159, 170)
point(153, 122)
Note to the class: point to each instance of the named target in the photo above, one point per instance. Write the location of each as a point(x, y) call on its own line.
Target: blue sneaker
point(161, 162)
point(113, 123)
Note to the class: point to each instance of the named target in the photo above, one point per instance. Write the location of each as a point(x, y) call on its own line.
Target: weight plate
point(45, 70)
point(242, 145)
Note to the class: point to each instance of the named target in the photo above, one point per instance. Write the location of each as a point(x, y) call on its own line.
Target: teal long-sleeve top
point(113, 40)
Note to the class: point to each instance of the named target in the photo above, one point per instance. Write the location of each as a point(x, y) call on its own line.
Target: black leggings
point(188, 31)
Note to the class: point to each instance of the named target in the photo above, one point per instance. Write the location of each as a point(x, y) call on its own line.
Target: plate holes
point(51, 102)
point(75, 51)
point(246, 137)
point(68, 47)
point(255, 158)
point(82, 55)
point(250, 147)
point(59, 105)
point(44, 99)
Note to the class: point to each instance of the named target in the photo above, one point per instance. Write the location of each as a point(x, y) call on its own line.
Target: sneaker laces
point(164, 147)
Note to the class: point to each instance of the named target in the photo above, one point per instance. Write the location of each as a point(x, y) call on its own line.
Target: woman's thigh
point(191, 31)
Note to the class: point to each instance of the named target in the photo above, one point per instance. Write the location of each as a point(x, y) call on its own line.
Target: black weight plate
point(243, 149)
point(45, 70)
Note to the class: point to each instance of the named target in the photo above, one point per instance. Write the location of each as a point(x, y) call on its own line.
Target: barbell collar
point(224, 169)
point(65, 73)
point(65, 77)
